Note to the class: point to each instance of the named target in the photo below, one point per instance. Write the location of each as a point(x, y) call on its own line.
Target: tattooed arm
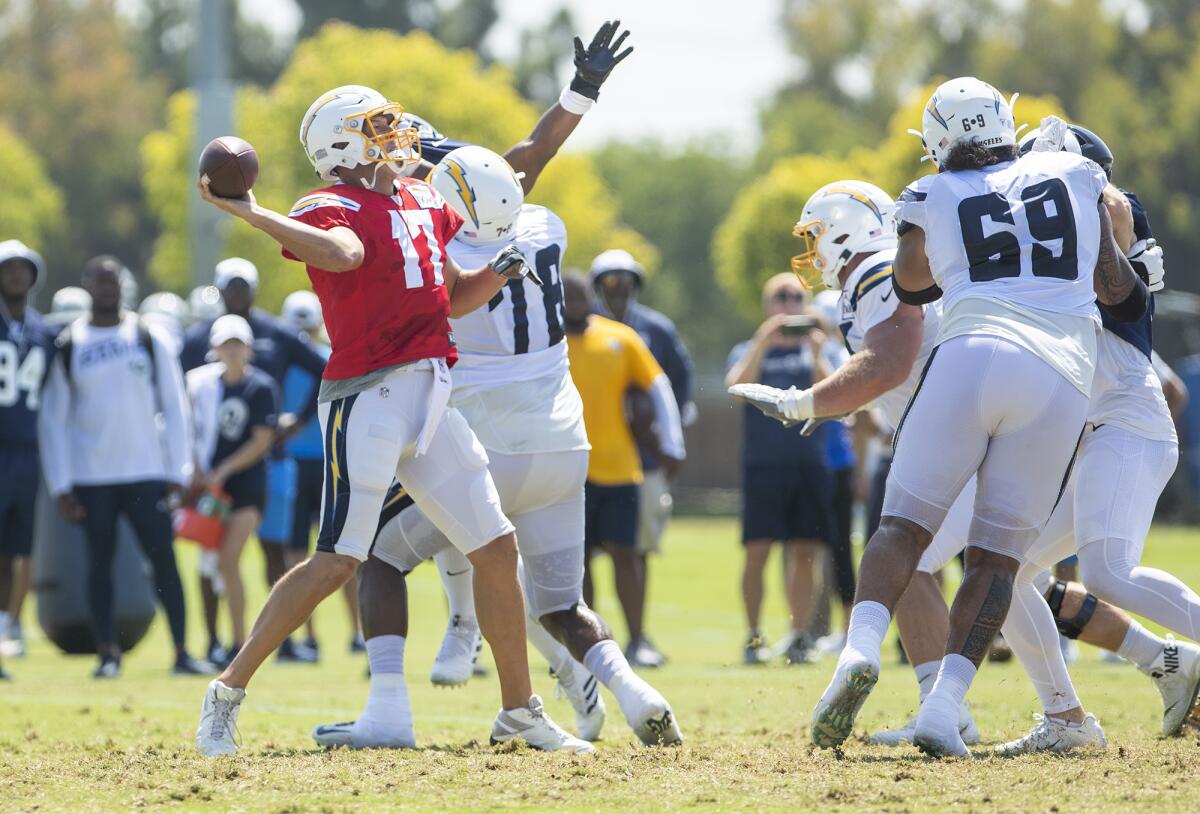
point(1116, 283)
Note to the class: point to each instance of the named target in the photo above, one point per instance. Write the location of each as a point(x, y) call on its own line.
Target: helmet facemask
point(387, 143)
point(808, 264)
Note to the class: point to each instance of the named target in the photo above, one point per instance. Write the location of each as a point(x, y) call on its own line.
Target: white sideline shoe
point(456, 658)
point(1051, 735)
point(532, 725)
point(218, 733)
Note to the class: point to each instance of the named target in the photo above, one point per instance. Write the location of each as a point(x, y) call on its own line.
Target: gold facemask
point(407, 142)
point(807, 264)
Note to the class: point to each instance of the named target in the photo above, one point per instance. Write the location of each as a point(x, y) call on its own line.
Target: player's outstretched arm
point(592, 67)
point(337, 249)
point(889, 351)
point(471, 289)
point(1116, 284)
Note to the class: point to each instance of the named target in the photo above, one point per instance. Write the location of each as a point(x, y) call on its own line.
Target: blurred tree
point(677, 199)
point(755, 240)
point(462, 25)
point(38, 220)
point(164, 40)
point(70, 87)
point(542, 58)
point(448, 87)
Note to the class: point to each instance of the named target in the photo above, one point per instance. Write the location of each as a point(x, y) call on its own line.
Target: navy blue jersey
point(276, 348)
point(765, 440)
point(1140, 334)
point(26, 347)
point(252, 402)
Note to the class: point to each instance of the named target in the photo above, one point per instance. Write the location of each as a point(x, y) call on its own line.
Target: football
point(231, 166)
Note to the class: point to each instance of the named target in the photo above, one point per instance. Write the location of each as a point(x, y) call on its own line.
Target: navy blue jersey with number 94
point(26, 347)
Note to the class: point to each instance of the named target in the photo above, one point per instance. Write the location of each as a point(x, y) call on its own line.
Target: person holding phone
point(785, 482)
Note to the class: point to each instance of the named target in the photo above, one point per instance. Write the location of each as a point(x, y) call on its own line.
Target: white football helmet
point(841, 220)
point(484, 189)
point(68, 304)
point(339, 131)
point(966, 108)
point(302, 311)
point(167, 304)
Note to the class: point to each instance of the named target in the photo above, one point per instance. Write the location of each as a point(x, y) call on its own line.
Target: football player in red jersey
point(375, 246)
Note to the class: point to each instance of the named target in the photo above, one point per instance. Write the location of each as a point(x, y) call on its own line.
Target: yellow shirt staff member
point(607, 359)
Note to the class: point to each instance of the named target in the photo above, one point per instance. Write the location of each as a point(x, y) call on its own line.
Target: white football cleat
point(833, 718)
point(359, 735)
point(532, 725)
point(1176, 674)
point(218, 733)
point(460, 648)
point(1051, 735)
point(967, 730)
point(937, 730)
point(583, 691)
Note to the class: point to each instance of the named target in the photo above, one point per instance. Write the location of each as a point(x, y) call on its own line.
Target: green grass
point(68, 743)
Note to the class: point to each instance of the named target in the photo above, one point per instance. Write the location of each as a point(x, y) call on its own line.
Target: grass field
point(68, 743)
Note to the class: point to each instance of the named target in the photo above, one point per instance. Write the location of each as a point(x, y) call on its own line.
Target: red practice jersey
point(393, 308)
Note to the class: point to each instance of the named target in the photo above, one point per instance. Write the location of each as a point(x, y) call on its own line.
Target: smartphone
point(797, 325)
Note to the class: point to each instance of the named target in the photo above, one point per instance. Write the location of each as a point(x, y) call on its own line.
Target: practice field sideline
point(68, 743)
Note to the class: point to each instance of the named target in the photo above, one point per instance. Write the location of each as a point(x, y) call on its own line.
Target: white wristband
point(573, 102)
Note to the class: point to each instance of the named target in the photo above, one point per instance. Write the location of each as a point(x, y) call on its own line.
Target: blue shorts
point(19, 479)
point(276, 525)
point(611, 514)
point(787, 502)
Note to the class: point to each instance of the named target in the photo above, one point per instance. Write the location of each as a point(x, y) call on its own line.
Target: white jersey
point(868, 299)
point(1127, 392)
point(512, 378)
point(1013, 248)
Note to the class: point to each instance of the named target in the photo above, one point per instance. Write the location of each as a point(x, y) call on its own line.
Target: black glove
point(510, 264)
point(595, 63)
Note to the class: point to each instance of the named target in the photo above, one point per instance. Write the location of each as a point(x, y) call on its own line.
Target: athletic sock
point(610, 667)
point(953, 680)
point(1140, 646)
point(868, 625)
point(455, 571)
point(388, 714)
point(926, 676)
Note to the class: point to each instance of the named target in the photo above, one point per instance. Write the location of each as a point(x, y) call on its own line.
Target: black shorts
point(19, 479)
point(248, 489)
point(306, 508)
point(610, 514)
point(787, 502)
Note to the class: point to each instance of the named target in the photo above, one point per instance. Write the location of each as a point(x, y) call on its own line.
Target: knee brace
point(1071, 628)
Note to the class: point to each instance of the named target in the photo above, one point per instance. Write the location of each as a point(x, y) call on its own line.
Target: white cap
point(302, 311)
point(16, 250)
point(235, 268)
point(616, 260)
point(228, 327)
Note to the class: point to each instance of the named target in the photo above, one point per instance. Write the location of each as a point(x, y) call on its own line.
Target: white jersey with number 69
point(1013, 247)
point(512, 380)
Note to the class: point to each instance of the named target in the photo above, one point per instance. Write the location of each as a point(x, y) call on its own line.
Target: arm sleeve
point(172, 396)
point(910, 206)
point(52, 430)
point(668, 426)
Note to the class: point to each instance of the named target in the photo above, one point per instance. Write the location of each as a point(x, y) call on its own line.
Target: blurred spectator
point(608, 359)
point(167, 311)
point(276, 349)
point(233, 410)
point(786, 489)
point(69, 304)
point(302, 313)
point(617, 278)
point(26, 347)
point(106, 452)
point(204, 303)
